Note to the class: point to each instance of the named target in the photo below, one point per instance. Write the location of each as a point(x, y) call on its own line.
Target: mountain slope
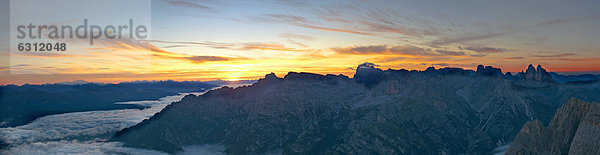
point(575, 129)
point(449, 110)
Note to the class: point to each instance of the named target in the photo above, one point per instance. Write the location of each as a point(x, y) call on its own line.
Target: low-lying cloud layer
point(82, 132)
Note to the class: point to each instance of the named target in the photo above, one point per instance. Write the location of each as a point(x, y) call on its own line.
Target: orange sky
point(241, 40)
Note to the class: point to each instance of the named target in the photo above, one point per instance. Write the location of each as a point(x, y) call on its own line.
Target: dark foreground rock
point(575, 129)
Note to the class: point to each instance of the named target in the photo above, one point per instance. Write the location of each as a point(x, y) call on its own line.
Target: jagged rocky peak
point(367, 73)
point(488, 70)
point(575, 129)
point(271, 76)
point(430, 70)
point(539, 74)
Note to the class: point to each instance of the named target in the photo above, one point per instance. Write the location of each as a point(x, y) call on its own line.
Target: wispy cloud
point(281, 18)
point(191, 5)
point(375, 49)
point(392, 21)
point(569, 59)
point(514, 58)
point(236, 46)
point(377, 27)
point(444, 41)
point(198, 59)
point(297, 43)
point(174, 46)
point(133, 45)
point(566, 20)
point(407, 50)
point(294, 3)
point(302, 22)
point(553, 55)
point(485, 36)
point(43, 54)
point(486, 50)
point(451, 53)
point(333, 29)
point(296, 36)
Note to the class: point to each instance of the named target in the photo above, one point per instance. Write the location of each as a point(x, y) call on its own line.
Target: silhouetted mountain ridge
point(448, 110)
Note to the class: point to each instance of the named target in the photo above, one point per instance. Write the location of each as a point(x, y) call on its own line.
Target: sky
point(238, 40)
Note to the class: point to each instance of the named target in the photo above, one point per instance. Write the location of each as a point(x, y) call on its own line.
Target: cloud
point(569, 59)
point(282, 18)
point(77, 147)
point(19, 66)
point(43, 54)
point(372, 20)
point(145, 45)
point(566, 20)
point(297, 43)
point(191, 5)
point(450, 53)
point(408, 50)
point(266, 46)
point(294, 3)
point(332, 14)
point(333, 29)
point(375, 49)
point(378, 20)
point(79, 125)
point(487, 50)
point(206, 43)
point(87, 132)
point(174, 46)
point(390, 59)
point(514, 58)
point(411, 50)
point(236, 46)
point(301, 22)
point(553, 55)
point(444, 41)
point(296, 36)
point(200, 59)
point(376, 27)
point(485, 36)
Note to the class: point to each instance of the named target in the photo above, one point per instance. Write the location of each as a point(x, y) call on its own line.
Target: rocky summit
point(539, 74)
point(575, 129)
point(436, 111)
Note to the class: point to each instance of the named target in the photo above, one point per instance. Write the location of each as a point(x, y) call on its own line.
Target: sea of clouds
point(88, 132)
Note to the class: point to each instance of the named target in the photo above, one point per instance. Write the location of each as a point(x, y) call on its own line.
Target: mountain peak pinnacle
point(539, 74)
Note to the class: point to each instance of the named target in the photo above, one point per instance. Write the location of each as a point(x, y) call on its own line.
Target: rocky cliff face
point(489, 70)
point(449, 110)
point(539, 74)
point(575, 129)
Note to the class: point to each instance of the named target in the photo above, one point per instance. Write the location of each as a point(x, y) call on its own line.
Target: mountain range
point(447, 110)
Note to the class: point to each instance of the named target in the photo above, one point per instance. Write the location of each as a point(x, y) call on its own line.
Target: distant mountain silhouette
point(22, 104)
point(448, 110)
